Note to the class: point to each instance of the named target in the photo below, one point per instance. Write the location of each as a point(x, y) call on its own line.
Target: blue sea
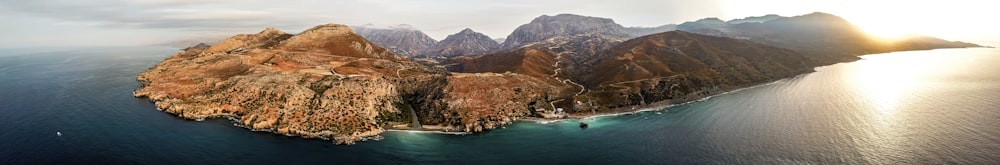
point(917, 107)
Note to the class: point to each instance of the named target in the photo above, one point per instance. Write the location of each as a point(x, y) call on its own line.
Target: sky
point(46, 23)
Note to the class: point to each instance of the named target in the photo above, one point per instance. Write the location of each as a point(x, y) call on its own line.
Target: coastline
point(656, 106)
point(577, 116)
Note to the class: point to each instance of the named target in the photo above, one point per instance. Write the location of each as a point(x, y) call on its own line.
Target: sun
point(889, 19)
point(885, 31)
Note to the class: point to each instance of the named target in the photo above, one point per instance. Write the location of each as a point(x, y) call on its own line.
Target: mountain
point(821, 36)
point(499, 40)
point(758, 19)
point(705, 23)
point(709, 26)
point(329, 82)
point(680, 66)
point(401, 39)
point(642, 31)
point(555, 60)
point(545, 27)
point(466, 42)
point(538, 59)
point(609, 73)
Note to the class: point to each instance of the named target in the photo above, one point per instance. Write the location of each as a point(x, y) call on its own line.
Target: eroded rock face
point(327, 82)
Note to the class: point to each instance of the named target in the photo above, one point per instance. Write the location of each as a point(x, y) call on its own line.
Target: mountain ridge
point(464, 43)
point(330, 81)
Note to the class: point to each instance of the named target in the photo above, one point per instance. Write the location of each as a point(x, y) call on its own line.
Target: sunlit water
point(936, 107)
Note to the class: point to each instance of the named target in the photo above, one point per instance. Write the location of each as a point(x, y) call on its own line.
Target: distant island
point(353, 83)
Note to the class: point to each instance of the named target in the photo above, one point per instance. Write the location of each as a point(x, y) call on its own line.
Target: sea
point(75, 106)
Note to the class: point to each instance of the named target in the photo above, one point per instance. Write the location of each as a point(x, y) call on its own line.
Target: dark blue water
point(933, 107)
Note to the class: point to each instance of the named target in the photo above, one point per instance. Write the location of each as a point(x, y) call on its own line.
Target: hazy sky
point(29, 23)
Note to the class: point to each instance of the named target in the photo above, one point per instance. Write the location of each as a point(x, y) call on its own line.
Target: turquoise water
point(932, 107)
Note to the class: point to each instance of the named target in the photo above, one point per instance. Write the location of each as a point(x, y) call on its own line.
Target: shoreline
point(656, 106)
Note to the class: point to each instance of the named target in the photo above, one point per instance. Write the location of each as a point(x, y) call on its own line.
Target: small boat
point(58, 133)
point(583, 125)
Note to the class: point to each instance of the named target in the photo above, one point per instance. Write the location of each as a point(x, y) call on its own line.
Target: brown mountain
point(538, 59)
point(402, 39)
point(668, 67)
point(464, 43)
point(678, 66)
point(330, 82)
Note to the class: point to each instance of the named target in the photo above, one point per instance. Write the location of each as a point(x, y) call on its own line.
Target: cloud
point(176, 15)
point(438, 18)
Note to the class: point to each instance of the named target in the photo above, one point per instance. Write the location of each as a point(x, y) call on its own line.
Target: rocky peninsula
point(329, 82)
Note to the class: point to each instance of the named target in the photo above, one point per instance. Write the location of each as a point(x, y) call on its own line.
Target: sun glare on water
point(888, 81)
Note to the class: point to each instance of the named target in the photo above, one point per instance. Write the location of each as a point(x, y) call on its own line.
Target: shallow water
point(938, 106)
